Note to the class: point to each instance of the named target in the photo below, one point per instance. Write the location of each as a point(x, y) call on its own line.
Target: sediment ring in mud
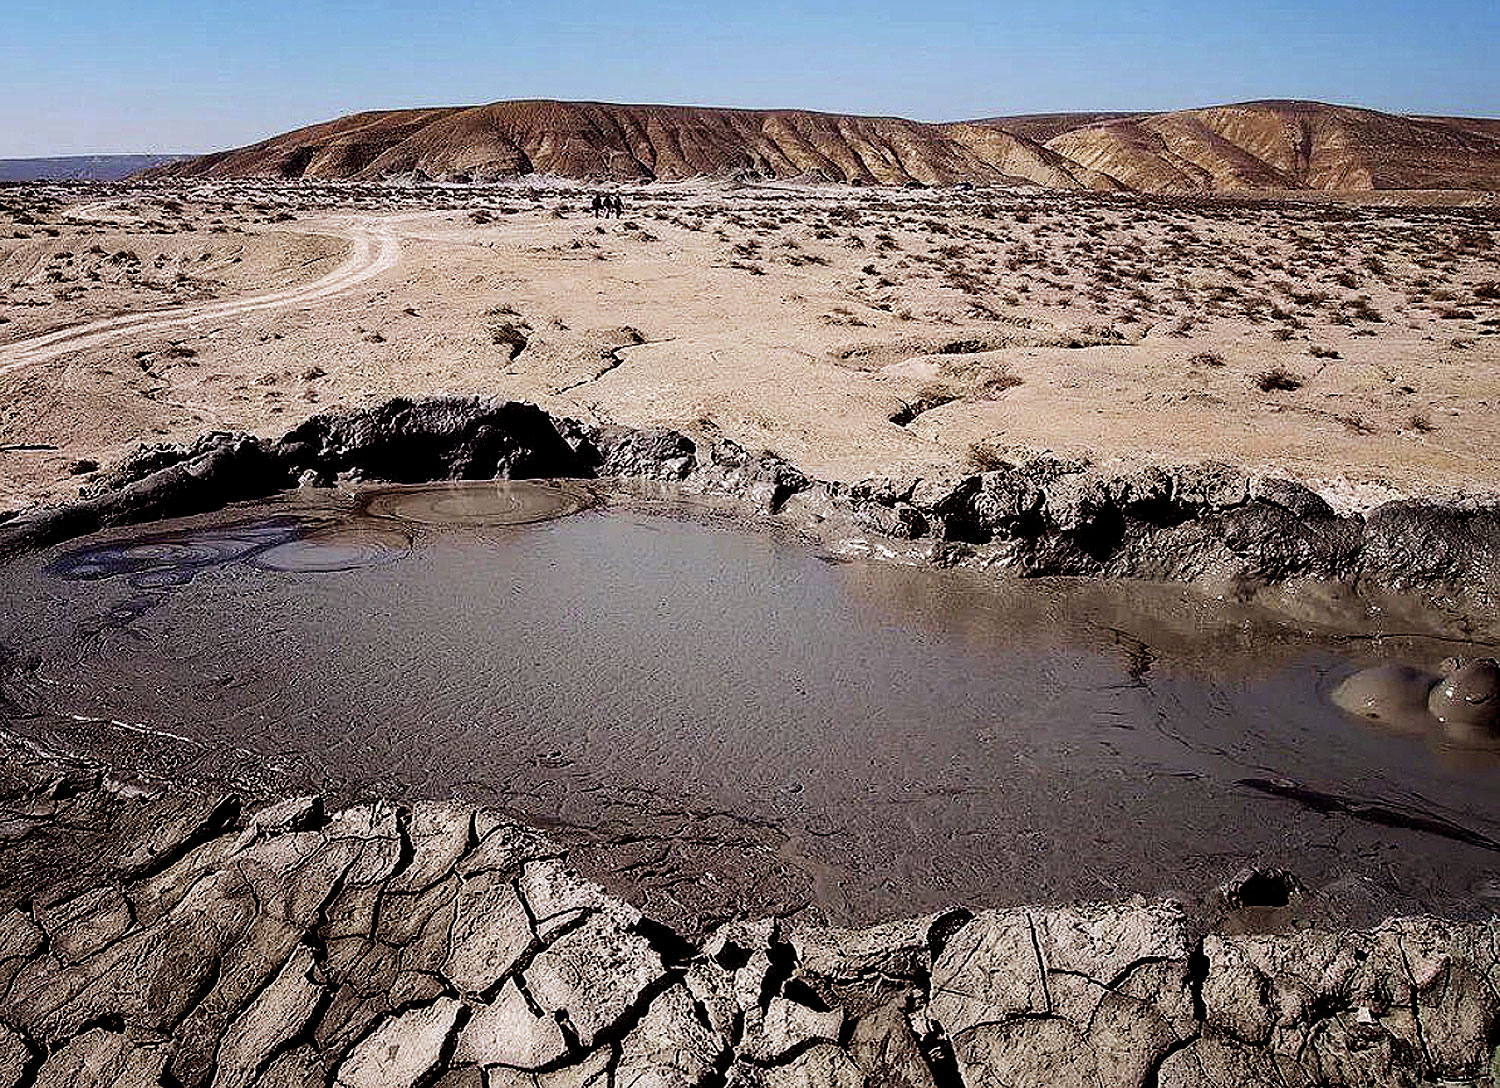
point(492, 504)
point(329, 551)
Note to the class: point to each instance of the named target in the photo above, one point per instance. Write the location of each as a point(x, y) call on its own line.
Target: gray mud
point(722, 723)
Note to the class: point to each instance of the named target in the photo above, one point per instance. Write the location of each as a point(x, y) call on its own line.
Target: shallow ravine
point(721, 723)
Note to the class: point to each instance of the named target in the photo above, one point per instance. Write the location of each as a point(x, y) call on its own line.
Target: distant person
point(618, 205)
point(598, 203)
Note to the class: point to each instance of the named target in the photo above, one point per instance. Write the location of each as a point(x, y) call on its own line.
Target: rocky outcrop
point(1207, 523)
point(191, 943)
point(440, 438)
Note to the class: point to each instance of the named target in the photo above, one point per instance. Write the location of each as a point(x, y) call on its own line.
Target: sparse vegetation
point(984, 457)
point(506, 330)
point(1277, 380)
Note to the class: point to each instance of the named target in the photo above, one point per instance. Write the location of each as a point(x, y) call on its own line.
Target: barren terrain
point(856, 332)
point(1247, 147)
point(154, 933)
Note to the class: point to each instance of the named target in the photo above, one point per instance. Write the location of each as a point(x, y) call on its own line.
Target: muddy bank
point(1208, 524)
point(170, 937)
point(721, 723)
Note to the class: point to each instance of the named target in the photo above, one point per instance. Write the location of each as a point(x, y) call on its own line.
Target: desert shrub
point(982, 457)
point(1206, 358)
point(506, 333)
point(1105, 334)
point(1277, 380)
point(1318, 352)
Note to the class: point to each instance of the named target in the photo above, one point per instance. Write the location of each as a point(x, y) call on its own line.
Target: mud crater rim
point(759, 565)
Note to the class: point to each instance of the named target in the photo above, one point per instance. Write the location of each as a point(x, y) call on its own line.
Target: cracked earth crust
point(186, 941)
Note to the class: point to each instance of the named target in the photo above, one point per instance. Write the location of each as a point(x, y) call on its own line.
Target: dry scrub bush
point(982, 457)
point(1277, 380)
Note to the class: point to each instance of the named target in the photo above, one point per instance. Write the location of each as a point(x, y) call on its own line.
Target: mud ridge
point(1208, 523)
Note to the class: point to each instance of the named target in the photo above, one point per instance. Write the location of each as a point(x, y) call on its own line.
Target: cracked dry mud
point(440, 944)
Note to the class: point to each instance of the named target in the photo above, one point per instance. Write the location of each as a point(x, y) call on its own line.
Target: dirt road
point(374, 248)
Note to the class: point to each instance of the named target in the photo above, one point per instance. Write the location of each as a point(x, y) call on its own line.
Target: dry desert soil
point(855, 331)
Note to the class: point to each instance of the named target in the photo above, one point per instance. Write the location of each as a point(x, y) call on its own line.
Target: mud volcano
point(721, 723)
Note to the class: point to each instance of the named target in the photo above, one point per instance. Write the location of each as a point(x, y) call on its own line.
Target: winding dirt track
point(375, 248)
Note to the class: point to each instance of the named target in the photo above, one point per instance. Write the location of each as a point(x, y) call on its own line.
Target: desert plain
point(854, 331)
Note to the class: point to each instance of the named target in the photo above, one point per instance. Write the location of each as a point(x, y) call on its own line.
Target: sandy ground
point(856, 331)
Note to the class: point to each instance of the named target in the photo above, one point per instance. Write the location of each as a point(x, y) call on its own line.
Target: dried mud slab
point(396, 946)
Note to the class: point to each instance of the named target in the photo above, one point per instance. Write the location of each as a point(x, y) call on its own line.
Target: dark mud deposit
point(722, 723)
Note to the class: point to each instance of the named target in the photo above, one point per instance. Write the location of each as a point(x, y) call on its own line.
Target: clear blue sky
point(174, 75)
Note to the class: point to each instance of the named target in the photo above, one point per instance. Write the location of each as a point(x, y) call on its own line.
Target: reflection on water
point(731, 723)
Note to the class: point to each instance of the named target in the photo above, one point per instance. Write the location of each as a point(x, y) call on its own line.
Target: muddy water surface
point(722, 721)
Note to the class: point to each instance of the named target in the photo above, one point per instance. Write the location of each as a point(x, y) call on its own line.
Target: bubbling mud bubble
point(1395, 694)
point(488, 504)
point(1469, 696)
point(337, 549)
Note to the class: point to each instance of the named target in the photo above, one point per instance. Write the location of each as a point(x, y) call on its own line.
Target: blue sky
point(167, 75)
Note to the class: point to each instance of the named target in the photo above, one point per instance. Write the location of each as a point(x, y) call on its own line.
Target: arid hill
point(1257, 146)
point(1250, 147)
point(588, 140)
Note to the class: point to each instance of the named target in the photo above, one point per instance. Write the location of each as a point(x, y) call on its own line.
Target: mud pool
point(720, 721)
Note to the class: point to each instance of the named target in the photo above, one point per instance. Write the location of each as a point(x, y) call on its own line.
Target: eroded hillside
point(1251, 147)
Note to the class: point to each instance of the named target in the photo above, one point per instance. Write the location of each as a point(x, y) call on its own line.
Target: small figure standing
point(618, 205)
point(598, 203)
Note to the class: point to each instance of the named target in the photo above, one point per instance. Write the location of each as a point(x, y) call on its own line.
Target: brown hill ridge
point(1244, 148)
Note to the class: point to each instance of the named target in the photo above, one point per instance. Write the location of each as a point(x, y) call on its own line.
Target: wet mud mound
point(1209, 524)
